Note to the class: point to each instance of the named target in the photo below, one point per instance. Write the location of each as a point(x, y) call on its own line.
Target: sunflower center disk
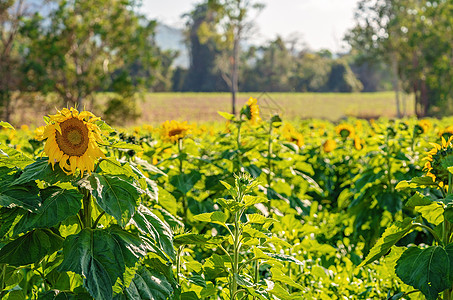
point(174, 132)
point(73, 139)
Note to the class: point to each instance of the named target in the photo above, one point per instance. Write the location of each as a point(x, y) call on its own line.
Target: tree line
point(76, 48)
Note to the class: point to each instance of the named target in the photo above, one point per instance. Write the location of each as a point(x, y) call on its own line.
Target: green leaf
point(147, 166)
point(425, 269)
point(57, 295)
point(433, 213)
point(11, 158)
point(57, 205)
point(7, 218)
point(448, 213)
point(230, 204)
point(11, 277)
point(389, 238)
point(197, 280)
point(123, 145)
point(101, 256)
point(150, 285)
point(278, 275)
point(389, 201)
point(115, 195)
point(14, 295)
point(216, 217)
point(226, 115)
point(185, 182)
point(281, 293)
point(30, 248)
point(214, 267)
point(25, 196)
point(249, 231)
point(112, 166)
point(42, 170)
point(284, 258)
point(416, 182)
point(252, 200)
point(245, 282)
point(6, 125)
point(149, 223)
point(168, 201)
point(418, 199)
point(196, 239)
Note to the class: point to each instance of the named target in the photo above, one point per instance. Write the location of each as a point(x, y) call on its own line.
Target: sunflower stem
point(2, 287)
point(181, 171)
point(269, 162)
point(86, 208)
point(238, 145)
point(447, 233)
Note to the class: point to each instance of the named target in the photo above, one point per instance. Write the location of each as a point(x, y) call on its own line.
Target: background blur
point(129, 61)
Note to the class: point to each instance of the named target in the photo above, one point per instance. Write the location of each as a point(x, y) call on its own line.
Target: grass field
point(159, 107)
point(203, 107)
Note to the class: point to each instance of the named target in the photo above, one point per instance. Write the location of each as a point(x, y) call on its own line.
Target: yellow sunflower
point(292, 135)
point(251, 111)
point(173, 131)
point(425, 125)
point(329, 146)
point(345, 130)
point(447, 132)
point(438, 161)
point(358, 143)
point(71, 140)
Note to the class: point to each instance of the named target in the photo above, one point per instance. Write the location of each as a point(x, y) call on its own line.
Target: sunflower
point(329, 146)
point(358, 143)
point(72, 139)
point(345, 130)
point(39, 132)
point(173, 131)
point(438, 161)
point(251, 111)
point(425, 125)
point(292, 135)
point(447, 132)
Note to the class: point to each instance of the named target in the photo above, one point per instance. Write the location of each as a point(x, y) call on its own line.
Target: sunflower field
point(255, 207)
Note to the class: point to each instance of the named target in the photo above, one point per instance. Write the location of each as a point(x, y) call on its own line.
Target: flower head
point(438, 160)
point(290, 134)
point(71, 140)
point(251, 111)
point(345, 130)
point(173, 131)
point(329, 146)
point(425, 125)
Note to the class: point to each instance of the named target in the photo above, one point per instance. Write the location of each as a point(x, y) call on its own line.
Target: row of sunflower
point(122, 214)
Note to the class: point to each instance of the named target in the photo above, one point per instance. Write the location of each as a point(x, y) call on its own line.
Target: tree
point(11, 14)
point(234, 22)
point(85, 45)
point(414, 38)
point(202, 75)
point(268, 68)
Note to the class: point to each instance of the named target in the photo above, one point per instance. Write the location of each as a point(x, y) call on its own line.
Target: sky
point(320, 24)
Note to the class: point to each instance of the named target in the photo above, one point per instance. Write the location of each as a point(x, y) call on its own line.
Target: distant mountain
point(171, 38)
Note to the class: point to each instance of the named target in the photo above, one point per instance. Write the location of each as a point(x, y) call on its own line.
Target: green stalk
point(257, 274)
point(181, 171)
point(3, 280)
point(238, 146)
point(447, 233)
point(269, 155)
point(269, 163)
point(86, 209)
point(236, 247)
point(178, 263)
